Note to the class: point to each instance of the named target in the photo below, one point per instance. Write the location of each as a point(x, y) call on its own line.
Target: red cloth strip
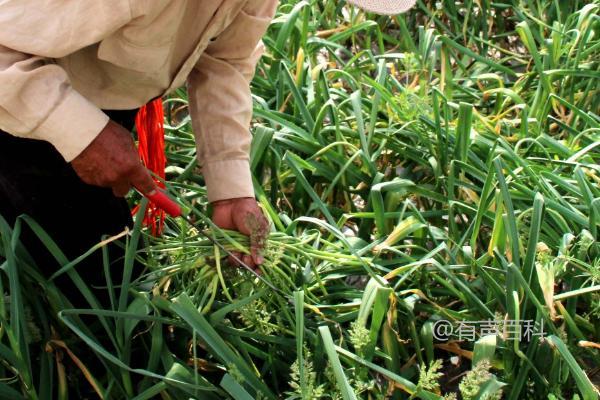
point(150, 127)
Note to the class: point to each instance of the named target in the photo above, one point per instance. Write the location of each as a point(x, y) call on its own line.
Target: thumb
point(258, 237)
point(142, 181)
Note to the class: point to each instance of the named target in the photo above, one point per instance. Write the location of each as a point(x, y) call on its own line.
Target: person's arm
point(37, 100)
point(221, 110)
point(221, 102)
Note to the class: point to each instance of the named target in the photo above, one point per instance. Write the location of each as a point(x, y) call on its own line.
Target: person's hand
point(245, 216)
point(112, 161)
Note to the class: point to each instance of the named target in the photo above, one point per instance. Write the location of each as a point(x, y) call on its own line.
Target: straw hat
point(385, 7)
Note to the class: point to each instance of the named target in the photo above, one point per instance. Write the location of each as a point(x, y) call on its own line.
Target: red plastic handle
point(164, 202)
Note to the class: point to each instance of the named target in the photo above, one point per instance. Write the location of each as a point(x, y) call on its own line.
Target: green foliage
point(309, 387)
point(359, 337)
point(428, 377)
point(471, 385)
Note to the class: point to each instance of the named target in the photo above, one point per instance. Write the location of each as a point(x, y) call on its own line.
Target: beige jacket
point(62, 61)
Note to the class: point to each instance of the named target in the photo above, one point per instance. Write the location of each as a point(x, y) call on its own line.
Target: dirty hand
point(112, 161)
point(245, 216)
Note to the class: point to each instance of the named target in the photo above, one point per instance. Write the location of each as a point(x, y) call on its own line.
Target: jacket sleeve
point(36, 97)
point(221, 103)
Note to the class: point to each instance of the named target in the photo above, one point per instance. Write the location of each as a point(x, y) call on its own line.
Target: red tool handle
point(164, 202)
